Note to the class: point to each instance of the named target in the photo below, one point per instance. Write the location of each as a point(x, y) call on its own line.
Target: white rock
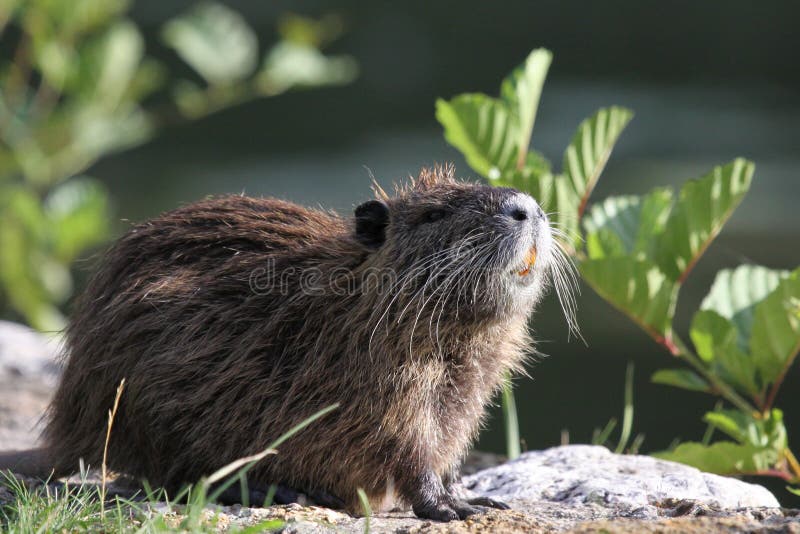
point(584, 474)
point(27, 352)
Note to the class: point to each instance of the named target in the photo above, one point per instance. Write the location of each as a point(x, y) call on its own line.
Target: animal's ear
point(371, 220)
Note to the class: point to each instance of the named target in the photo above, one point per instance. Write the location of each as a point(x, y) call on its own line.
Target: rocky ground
point(28, 374)
point(564, 489)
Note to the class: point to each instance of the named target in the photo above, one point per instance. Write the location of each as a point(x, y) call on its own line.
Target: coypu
point(234, 318)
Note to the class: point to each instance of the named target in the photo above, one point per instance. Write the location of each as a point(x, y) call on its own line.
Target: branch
point(773, 392)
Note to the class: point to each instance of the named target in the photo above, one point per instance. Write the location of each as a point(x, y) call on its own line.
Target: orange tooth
point(530, 259)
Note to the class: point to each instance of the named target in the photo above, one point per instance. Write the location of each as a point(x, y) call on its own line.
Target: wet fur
point(216, 371)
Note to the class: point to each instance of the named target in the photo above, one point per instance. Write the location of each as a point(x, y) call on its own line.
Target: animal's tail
point(32, 462)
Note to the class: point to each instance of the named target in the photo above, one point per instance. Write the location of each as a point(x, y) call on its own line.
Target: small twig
point(112, 413)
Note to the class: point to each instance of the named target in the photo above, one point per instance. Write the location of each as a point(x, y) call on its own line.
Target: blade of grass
point(600, 437)
point(636, 444)
point(510, 420)
point(362, 497)
point(627, 414)
point(245, 464)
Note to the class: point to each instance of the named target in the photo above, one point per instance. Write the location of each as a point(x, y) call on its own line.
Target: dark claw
point(464, 509)
point(490, 503)
point(437, 512)
point(449, 510)
point(436, 501)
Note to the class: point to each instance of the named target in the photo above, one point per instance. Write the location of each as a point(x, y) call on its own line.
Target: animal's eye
point(435, 215)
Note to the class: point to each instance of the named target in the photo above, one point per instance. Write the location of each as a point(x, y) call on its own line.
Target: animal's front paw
point(436, 511)
point(448, 509)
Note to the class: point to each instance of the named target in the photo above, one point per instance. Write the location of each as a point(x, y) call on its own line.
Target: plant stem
point(794, 465)
point(511, 422)
point(773, 392)
point(724, 389)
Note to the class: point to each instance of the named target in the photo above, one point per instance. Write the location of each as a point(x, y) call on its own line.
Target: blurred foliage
point(78, 86)
point(637, 251)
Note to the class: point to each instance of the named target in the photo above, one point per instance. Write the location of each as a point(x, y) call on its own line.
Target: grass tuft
point(83, 507)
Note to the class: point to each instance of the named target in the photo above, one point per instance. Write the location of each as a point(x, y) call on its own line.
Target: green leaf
point(494, 134)
point(215, 41)
point(681, 378)
point(699, 214)
point(766, 432)
point(309, 31)
point(484, 130)
point(748, 329)
point(78, 213)
point(605, 243)
point(627, 225)
point(191, 99)
point(735, 424)
point(587, 154)
point(584, 160)
point(521, 91)
point(122, 53)
point(666, 239)
point(55, 62)
point(775, 337)
point(722, 457)
point(97, 134)
point(76, 17)
point(715, 339)
point(29, 278)
point(289, 65)
point(636, 287)
point(620, 216)
point(760, 444)
point(735, 293)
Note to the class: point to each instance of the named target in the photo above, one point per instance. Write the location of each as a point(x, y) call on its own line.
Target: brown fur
point(216, 371)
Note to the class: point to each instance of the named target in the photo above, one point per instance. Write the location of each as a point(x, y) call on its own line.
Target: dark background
point(708, 81)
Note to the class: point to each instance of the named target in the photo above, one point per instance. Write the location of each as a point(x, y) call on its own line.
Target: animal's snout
point(522, 207)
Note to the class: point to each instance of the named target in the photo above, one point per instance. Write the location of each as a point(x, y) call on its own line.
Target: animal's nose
point(522, 207)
